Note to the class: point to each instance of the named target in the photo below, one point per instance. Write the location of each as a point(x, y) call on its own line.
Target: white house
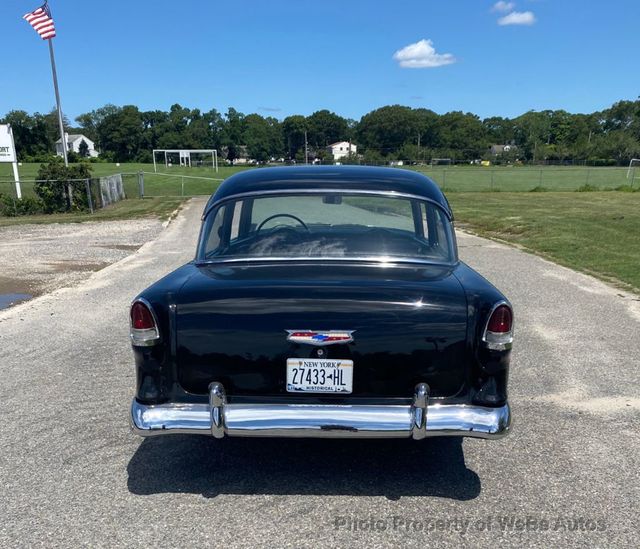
point(341, 149)
point(73, 144)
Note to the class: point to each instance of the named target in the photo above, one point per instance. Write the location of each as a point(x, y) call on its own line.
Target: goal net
point(633, 165)
point(189, 158)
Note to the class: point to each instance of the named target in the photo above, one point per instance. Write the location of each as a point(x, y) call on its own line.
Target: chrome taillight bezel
point(498, 341)
point(147, 337)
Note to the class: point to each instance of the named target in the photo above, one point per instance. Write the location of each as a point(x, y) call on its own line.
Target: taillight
point(144, 329)
point(498, 334)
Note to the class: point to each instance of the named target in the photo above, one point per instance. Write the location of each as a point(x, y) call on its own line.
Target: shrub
point(539, 189)
point(56, 189)
point(587, 188)
point(627, 189)
point(12, 207)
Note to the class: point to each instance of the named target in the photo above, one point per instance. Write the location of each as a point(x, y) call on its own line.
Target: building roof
point(306, 178)
point(71, 137)
point(341, 143)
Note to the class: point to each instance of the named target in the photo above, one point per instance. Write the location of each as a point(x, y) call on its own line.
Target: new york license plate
point(319, 375)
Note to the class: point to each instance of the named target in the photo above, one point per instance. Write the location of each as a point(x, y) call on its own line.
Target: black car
point(323, 302)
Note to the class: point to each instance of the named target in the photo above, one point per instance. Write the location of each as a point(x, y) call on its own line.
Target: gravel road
point(35, 259)
point(72, 474)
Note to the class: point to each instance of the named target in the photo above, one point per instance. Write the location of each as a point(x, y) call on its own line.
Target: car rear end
point(309, 328)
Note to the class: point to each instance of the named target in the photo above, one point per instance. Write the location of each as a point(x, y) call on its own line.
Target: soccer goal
point(631, 172)
point(187, 157)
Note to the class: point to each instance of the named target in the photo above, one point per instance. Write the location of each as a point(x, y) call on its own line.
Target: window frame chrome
point(388, 261)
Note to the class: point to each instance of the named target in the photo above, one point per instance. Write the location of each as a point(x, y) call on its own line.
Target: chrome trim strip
point(380, 261)
point(323, 421)
point(388, 194)
point(146, 342)
point(498, 346)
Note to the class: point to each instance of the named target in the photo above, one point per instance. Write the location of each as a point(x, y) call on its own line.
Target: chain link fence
point(95, 193)
point(48, 196)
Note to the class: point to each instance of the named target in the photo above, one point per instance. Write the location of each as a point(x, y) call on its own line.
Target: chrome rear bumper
point(419, 420)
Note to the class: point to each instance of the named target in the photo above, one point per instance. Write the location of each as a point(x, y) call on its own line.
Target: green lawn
point(596, 232)
point(169, 181)
point(126, 209)
point(452, 178)
point(526, 178)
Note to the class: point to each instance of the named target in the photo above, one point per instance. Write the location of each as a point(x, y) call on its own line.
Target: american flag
point(41, 20)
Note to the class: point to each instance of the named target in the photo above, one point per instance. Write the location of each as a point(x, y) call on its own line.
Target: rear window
point(334, 226)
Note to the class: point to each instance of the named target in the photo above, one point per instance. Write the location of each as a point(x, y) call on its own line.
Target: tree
point(233, 133)
point(262, 137)
point(30, 134)
point(90, 121)
point(387, 129)
point(83, 149)
point(326, 127)
point(121, 133)
point(462, 133)
point(293, 128)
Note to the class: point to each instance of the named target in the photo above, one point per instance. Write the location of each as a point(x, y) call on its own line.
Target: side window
point(215, 234)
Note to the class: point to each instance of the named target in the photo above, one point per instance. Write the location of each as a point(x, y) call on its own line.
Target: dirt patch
point(124, 247)
point(64, 266)
point(37, 259)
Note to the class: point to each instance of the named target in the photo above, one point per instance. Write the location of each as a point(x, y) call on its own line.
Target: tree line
point(395, 132)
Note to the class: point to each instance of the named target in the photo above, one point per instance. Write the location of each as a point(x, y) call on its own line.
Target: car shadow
point(390, 468)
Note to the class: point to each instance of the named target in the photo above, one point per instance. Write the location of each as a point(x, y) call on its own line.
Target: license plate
point(319, 375)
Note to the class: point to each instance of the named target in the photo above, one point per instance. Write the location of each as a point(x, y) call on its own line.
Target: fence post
point(87, 185)
point(182, 178)
point(141, 184)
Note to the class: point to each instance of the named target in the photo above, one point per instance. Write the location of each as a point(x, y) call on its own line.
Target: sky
point(280, 57)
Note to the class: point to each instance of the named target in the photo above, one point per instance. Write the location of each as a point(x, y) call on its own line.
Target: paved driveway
point(72, 474)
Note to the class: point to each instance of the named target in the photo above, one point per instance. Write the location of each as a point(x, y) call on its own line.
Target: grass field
point(168, 183)
point(597, 233)
point(126, 209)
point(453, 179)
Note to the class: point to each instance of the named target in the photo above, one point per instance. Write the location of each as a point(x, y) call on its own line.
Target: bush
point(539, 189)
point(601, 162)
point(627, 189)
point(56, 189)
point(587, 188)
point(12, 207)
point(41, 157)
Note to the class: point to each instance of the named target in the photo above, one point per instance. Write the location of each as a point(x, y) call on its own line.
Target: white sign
point(7, 147)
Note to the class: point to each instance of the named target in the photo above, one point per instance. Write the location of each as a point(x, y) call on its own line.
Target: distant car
point(323, 302)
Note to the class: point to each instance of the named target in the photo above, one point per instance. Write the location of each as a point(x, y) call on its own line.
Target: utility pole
point(306, 148)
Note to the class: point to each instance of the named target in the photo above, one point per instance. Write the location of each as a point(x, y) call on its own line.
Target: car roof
point(306, 178)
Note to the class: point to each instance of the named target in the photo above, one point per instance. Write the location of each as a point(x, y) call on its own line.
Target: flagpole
point(55, 87)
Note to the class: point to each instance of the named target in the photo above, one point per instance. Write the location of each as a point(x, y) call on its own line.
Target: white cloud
point(422, 55)
point(518, 18)
point(503, 7)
